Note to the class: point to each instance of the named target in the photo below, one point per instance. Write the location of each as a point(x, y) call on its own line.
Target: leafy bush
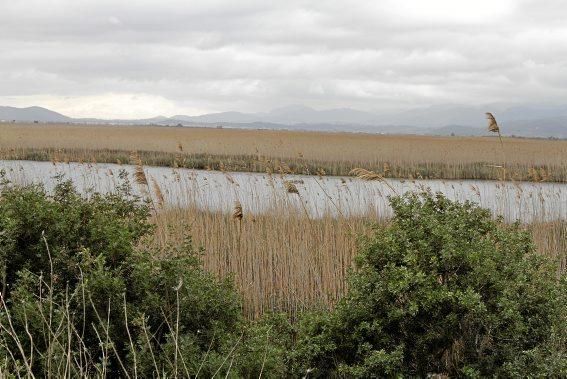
point(84, 294)
point(443, 289)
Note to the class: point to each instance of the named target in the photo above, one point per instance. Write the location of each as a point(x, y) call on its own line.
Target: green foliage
point(109, 225)
point(83, 296)
point(443, 289)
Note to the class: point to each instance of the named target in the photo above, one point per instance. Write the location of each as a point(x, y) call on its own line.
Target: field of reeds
point(285, 261)
point(282, 258)
point(393, 156)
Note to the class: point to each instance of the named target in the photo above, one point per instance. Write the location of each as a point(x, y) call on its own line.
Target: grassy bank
point(291, 152)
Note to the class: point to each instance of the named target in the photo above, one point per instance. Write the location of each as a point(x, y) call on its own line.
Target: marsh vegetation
point(136, 271)
point(308, 153)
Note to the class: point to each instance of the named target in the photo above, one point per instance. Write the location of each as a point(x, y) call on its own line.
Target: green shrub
point(443, 289)
point(84, 294)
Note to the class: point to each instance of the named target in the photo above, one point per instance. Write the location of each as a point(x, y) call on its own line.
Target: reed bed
point(286, 257)
point(287, 262)
point(279, 262)
point(301, 152)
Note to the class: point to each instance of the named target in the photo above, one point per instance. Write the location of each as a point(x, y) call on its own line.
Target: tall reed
point(285, 261)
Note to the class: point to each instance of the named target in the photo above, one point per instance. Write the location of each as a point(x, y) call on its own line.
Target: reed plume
point(366, 175)
point(237, 213)
point(290, 187)
point(140, 176)
point(142, 180)
point(159, 194)
point(494, 128)
point(369, 176)
point(492, 124)
point(135, 158)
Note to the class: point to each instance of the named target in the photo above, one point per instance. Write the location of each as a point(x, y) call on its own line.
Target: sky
point(137, 59)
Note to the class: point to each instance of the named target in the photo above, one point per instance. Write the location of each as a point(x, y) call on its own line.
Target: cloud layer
point(108, 58)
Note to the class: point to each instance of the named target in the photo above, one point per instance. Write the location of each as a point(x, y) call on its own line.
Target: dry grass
point(279, 262)
point(285, 261)
point(298, 152)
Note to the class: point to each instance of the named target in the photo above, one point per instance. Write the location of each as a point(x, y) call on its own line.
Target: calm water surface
point(319, 196)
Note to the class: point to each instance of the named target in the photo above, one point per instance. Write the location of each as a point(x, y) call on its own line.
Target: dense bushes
point(83, 296)
point(442, 289)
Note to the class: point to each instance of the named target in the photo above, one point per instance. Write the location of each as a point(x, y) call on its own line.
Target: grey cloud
point(253, 55)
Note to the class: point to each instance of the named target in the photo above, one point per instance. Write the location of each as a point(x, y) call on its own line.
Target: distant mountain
point(143, 121)
point(456, 130)
point(524, 121)
point(533, 112)
point(31, 114)
point(295, 114)
point(542, 127)
point(298, 114)
point(219, 117)
point(439, 116)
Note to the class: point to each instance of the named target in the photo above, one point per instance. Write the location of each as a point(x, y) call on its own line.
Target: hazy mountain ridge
point(526, 121)
point(31, 114)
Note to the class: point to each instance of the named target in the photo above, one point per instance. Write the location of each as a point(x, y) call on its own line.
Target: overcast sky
point(128, 59)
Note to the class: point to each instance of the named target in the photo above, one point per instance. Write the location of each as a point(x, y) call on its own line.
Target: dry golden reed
point(237, 213)
point(290, 187)
point(494, 128)
point(159, 194)
point(492, 124)
point(407, 156)
point(140, 176)
point(369, 176)
point(285, 261)
point(366, 175)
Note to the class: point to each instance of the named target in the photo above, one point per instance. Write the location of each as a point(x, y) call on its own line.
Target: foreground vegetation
point(93, 287)
point(309, 153)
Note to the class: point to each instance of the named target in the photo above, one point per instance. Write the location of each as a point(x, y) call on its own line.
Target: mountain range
point(525, 121)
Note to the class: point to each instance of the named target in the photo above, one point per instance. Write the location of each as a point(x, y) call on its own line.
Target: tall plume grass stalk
point(159, 194)
point(237, 215)
point(142, 181)
point(495, 128)
point(369, 176)
point(291, 188)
